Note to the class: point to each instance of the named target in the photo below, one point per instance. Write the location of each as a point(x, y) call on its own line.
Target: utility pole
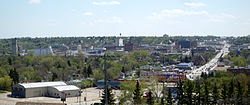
point(105, 81)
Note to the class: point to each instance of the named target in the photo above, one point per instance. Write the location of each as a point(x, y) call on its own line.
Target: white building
point(43, 51)
point(119, 42)
point(48, 89)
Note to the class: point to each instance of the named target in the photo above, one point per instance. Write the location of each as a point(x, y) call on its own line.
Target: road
point(210, 65)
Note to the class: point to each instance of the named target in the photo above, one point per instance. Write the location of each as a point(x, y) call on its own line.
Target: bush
point(5, 83)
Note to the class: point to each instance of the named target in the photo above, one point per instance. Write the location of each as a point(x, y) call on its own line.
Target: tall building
point(184, 43)
point(194, 44)
point(119, 41)
point(14, 46)
point(79, 48)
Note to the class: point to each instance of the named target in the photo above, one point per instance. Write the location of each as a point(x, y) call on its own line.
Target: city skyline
point(63, 18)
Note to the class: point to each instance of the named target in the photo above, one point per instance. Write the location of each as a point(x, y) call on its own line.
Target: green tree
point(231, 91)
point(245, 53)
point(54, 76)
point(14, 75)
point(97, 75)
point(127, 90)
point(224, 92)
point(150, 99)
point(239, 93)
point(89, 71)
point(170, 98)
point(28, 60)
point(188, 92)
point(137, 98)
point(215, 94)
point(3, 72)
point(138, 73)
point(27, 74)
point(5, 82)
point(10, 60)
point(180, 92)
point(47, 62)
point(111, 99)
point(198, 92)
point(69, 63)
point(186, 60)
point(162, 101)
point(238, 61)
point(123, 69)
point(242, 78)
point(85, 74)
point(206, 95)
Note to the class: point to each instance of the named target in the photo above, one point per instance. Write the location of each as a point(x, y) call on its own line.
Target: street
point(210, 65)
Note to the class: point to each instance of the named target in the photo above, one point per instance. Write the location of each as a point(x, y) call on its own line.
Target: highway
point(210, 65)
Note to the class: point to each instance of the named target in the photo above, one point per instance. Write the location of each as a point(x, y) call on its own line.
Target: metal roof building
point(48, 89)
point(42, 84)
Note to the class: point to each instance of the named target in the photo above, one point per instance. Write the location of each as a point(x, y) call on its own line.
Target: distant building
point(43, 51)
point(14, 46)
point(79, 49)
point(202, 49)
point(163, 77)
point(129, 47)
point(185, 66)
point(184, 43)
point(112, 84)
point(148, 67)
point(96, 52)
point(40, 89)
point(165, 35)
point(110, 48)
point(119, 42)
point(198, 60)
point(194, 44)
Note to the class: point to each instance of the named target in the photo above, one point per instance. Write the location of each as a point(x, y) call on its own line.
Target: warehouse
point(69, 90)
point(40, 89)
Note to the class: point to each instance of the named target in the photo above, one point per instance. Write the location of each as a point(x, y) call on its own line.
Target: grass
point(2, 91)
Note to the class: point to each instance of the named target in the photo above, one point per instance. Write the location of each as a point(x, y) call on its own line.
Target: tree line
point(222, 88)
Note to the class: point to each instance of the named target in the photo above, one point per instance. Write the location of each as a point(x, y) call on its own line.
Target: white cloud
point(176, 13)
point(225, 15)
point(194, 5)
point(109, 20)
point(88, 13)
point(106, 3)
point(34, 1)
point(221, 17)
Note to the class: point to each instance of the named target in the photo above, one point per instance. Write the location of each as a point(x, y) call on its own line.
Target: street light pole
point(105, 81)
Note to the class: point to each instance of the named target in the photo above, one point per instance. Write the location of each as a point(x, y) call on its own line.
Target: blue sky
point(52, 18)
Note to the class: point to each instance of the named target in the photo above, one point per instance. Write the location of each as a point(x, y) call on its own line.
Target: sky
point(66, 18)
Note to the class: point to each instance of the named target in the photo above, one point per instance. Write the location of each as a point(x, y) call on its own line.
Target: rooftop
point(185, 64)
point(66, 87)
point(42, 84)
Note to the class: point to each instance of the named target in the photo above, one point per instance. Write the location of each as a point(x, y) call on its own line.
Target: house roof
point(185, 64)
point(66, 87)
point(42, 84)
